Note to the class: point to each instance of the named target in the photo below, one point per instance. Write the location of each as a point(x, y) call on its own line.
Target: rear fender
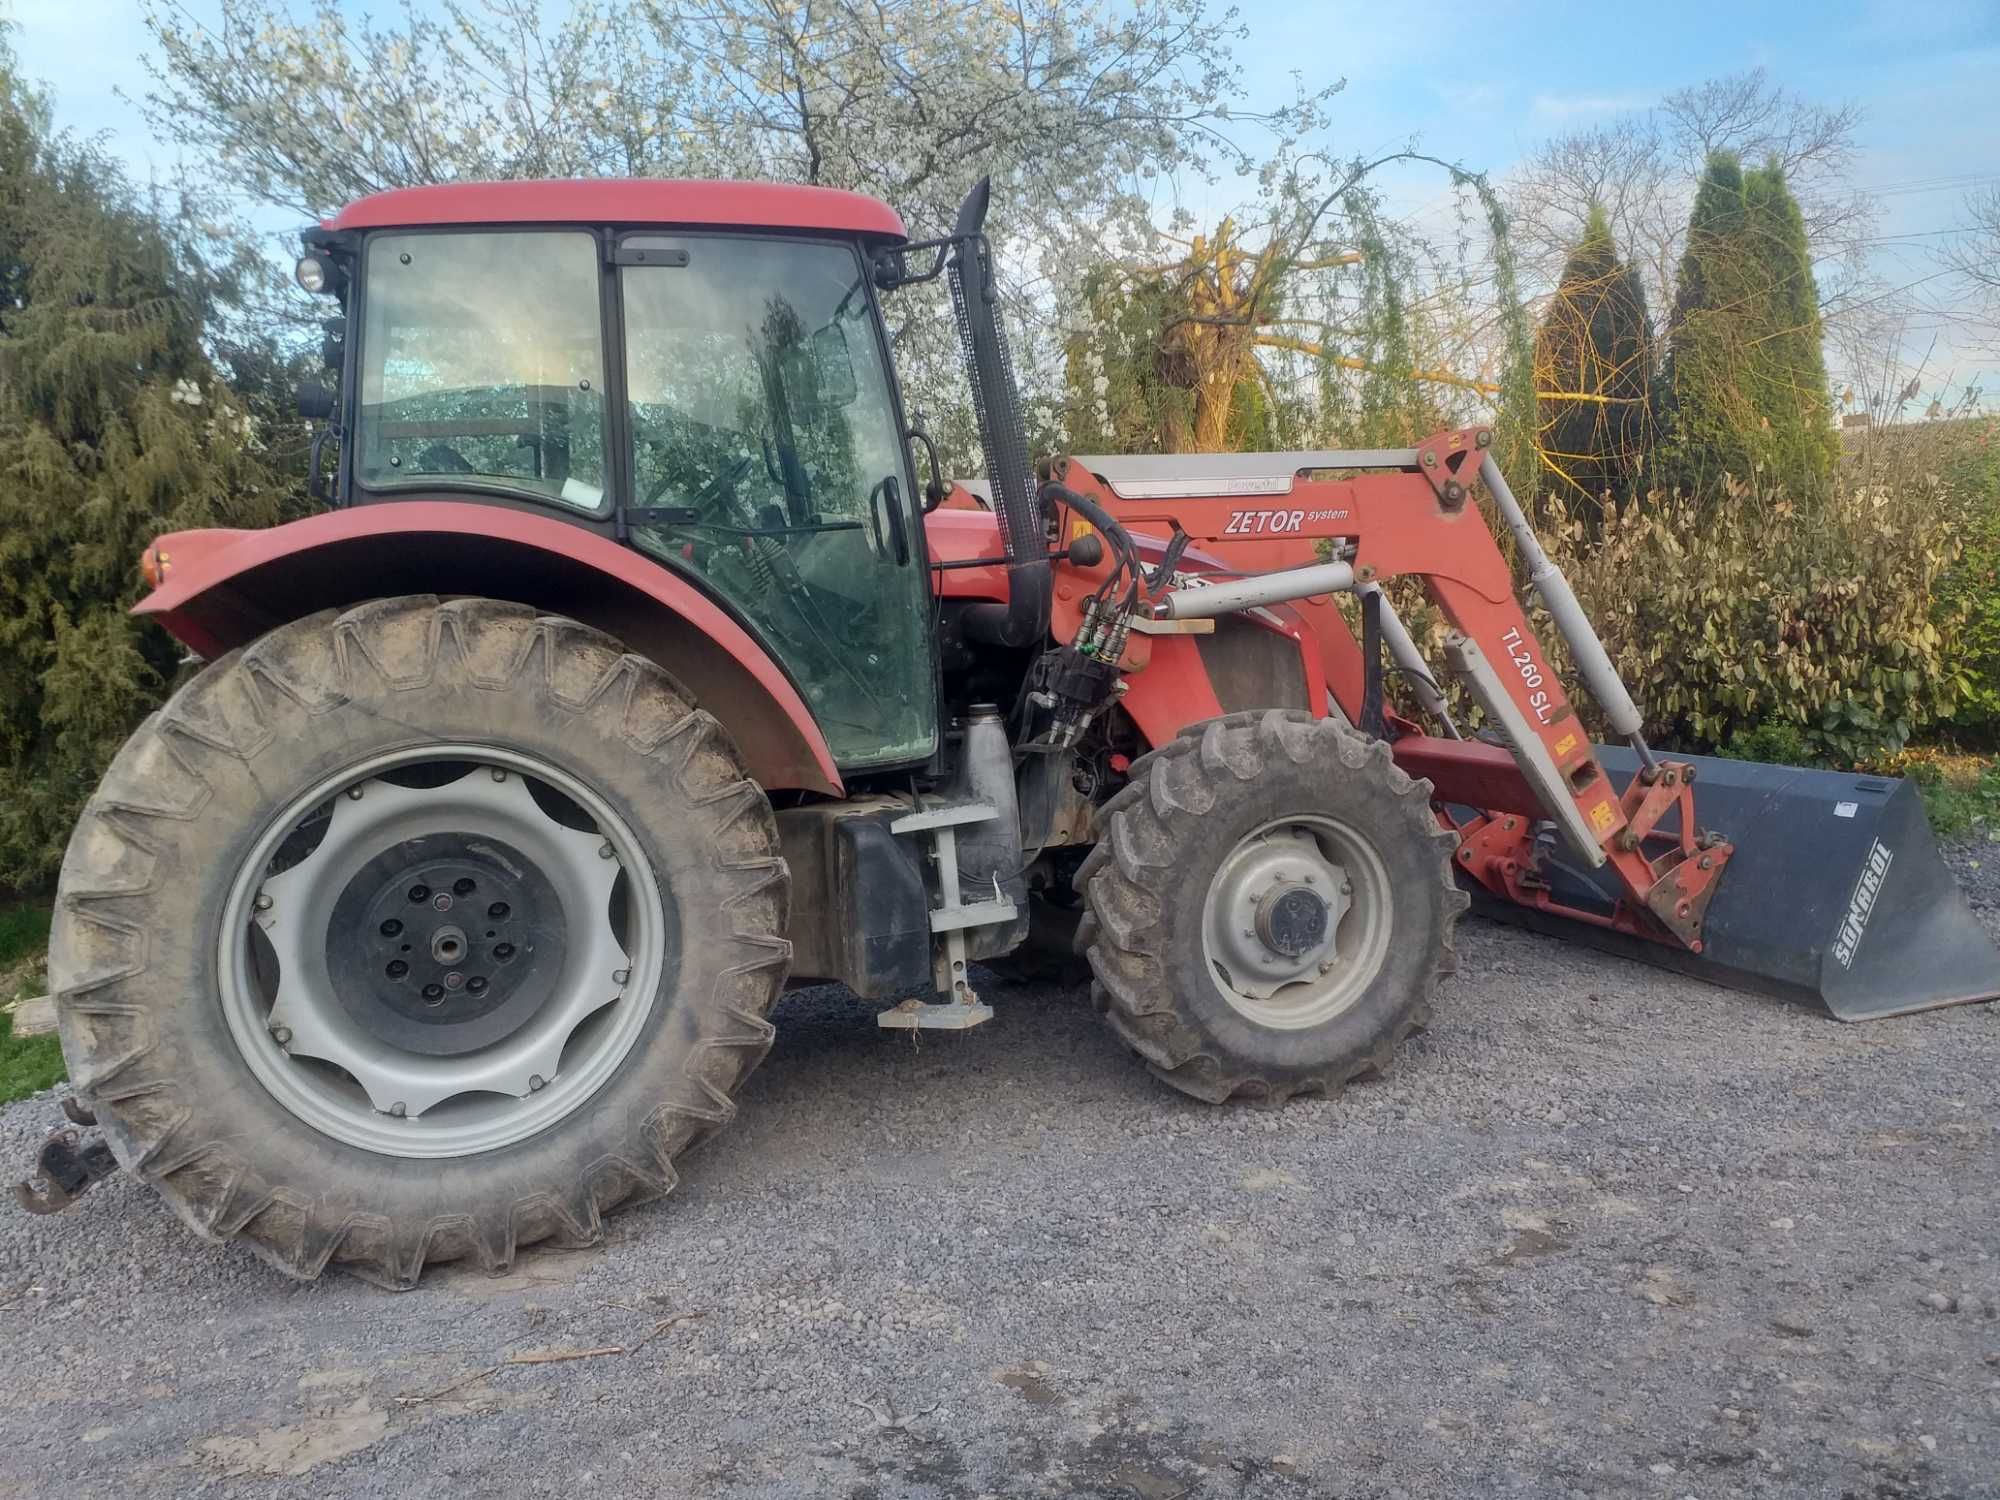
point(217, 590)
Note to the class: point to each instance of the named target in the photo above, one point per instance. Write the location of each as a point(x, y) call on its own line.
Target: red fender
point(217, 590)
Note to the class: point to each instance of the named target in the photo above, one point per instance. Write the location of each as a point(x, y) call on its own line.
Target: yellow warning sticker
point(1602, 817)
point(1566, 744)
point(1078, 528)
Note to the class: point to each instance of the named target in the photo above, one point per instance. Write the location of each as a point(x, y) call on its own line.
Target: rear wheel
point(369, 950)
point(1271, 905)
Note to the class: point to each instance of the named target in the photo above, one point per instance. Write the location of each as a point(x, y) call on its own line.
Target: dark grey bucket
point(1836, 896)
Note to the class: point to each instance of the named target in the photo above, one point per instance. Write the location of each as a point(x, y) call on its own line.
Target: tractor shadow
point(837, 1088)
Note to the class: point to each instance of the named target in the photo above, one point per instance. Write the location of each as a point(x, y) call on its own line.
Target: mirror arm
point(939, 488)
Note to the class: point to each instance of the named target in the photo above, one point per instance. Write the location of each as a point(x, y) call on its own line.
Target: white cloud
point(1571, 106)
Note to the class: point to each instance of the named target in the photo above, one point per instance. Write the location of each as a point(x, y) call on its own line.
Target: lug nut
point(604, 851)
point(503, 951)
point(397, 968)
point(536, 1083)
point(354, 794)
point(392, 928)
point(463, 887)
point(434, 994)
point(498, 774)
point(399, 1109)
point(621, 975)
point(282, 1035)
point(475, 985)
point(263, 902)
point(497, 910)
point(419, 894)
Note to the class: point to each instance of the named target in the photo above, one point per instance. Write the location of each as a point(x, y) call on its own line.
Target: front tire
point(1271, 905)
point(599, 990)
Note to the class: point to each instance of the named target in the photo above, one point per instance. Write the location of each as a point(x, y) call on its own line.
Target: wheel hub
point(1296, 921)
point(441, 951)
point(445, 943)
point(1293, 920)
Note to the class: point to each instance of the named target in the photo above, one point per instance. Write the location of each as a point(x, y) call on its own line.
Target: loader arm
point(1280, 524)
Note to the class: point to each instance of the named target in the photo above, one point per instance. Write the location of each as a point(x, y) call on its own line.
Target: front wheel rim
point(493, 1046)
point(1296, 923)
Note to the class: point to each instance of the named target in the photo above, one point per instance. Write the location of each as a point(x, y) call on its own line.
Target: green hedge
point(1825, 624)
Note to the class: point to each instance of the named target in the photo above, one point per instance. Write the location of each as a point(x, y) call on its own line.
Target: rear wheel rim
point(432, 1039)
point(1296, 923)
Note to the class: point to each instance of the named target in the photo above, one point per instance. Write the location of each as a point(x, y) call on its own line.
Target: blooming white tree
point(1084, 114)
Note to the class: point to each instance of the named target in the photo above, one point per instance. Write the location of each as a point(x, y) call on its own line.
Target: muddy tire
point(244, 1137)
point(1271, 906)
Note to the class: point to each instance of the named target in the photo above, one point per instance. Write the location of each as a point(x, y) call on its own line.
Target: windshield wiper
point(809, 528)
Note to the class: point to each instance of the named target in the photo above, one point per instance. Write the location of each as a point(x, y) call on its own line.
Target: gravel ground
point(1604, 1232)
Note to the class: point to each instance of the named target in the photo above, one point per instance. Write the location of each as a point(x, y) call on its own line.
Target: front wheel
point(1271, 904)
point(418, 932)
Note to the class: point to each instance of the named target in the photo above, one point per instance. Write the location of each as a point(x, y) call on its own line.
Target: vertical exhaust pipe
point(1024, 619)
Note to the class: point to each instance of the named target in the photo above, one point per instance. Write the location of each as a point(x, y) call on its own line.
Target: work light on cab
point(313, 274)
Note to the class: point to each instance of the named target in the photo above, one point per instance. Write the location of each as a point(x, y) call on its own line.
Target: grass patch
point(1961, 794)
point(24, 933)
point(28, 1064)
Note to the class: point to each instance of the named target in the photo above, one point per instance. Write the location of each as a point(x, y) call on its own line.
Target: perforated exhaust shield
point(1836, 896)
point(994, 403)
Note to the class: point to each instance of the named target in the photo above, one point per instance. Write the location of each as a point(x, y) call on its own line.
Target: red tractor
point(637, 669)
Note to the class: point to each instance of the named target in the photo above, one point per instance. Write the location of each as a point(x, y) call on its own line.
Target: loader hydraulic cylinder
point(1248, 593)
point(1592, 661)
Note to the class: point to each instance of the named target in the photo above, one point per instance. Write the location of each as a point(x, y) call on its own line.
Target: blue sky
point(1480, 83)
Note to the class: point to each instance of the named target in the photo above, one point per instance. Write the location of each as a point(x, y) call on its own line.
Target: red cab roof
point(625, 200)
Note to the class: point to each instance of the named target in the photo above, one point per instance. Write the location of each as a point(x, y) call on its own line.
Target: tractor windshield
point(766, 449)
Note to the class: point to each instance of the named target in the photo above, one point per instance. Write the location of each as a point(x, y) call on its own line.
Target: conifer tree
point(1744, 389)
point(113, 427)
point(1593, 366)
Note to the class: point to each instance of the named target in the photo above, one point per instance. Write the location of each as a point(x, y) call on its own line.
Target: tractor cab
point(704, 377)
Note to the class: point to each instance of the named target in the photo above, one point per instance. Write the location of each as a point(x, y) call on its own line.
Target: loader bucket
point(1836, 895)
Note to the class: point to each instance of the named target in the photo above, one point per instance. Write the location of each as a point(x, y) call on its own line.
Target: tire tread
point(1129, 872)
point(213, 728)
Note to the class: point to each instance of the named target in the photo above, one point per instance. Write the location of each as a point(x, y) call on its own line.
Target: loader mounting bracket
point(1684, 876)
point(1501, 852)
point(64, 1172)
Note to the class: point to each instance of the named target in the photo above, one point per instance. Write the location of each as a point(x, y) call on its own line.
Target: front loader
point(636, 670)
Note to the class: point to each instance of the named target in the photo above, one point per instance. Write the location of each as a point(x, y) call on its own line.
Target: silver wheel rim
point(1296, 922)
point(303, 1041)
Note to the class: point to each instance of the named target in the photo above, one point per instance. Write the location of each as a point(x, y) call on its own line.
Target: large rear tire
point(1271, 904)
point(569, 1003)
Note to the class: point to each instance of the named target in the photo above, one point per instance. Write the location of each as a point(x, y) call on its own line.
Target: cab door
point(768, 463)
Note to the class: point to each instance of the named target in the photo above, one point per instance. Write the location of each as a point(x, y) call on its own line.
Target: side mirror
point(834, 366)
point(315, 401)
point(333, 347)
point(939, 488)
point(819, 373)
